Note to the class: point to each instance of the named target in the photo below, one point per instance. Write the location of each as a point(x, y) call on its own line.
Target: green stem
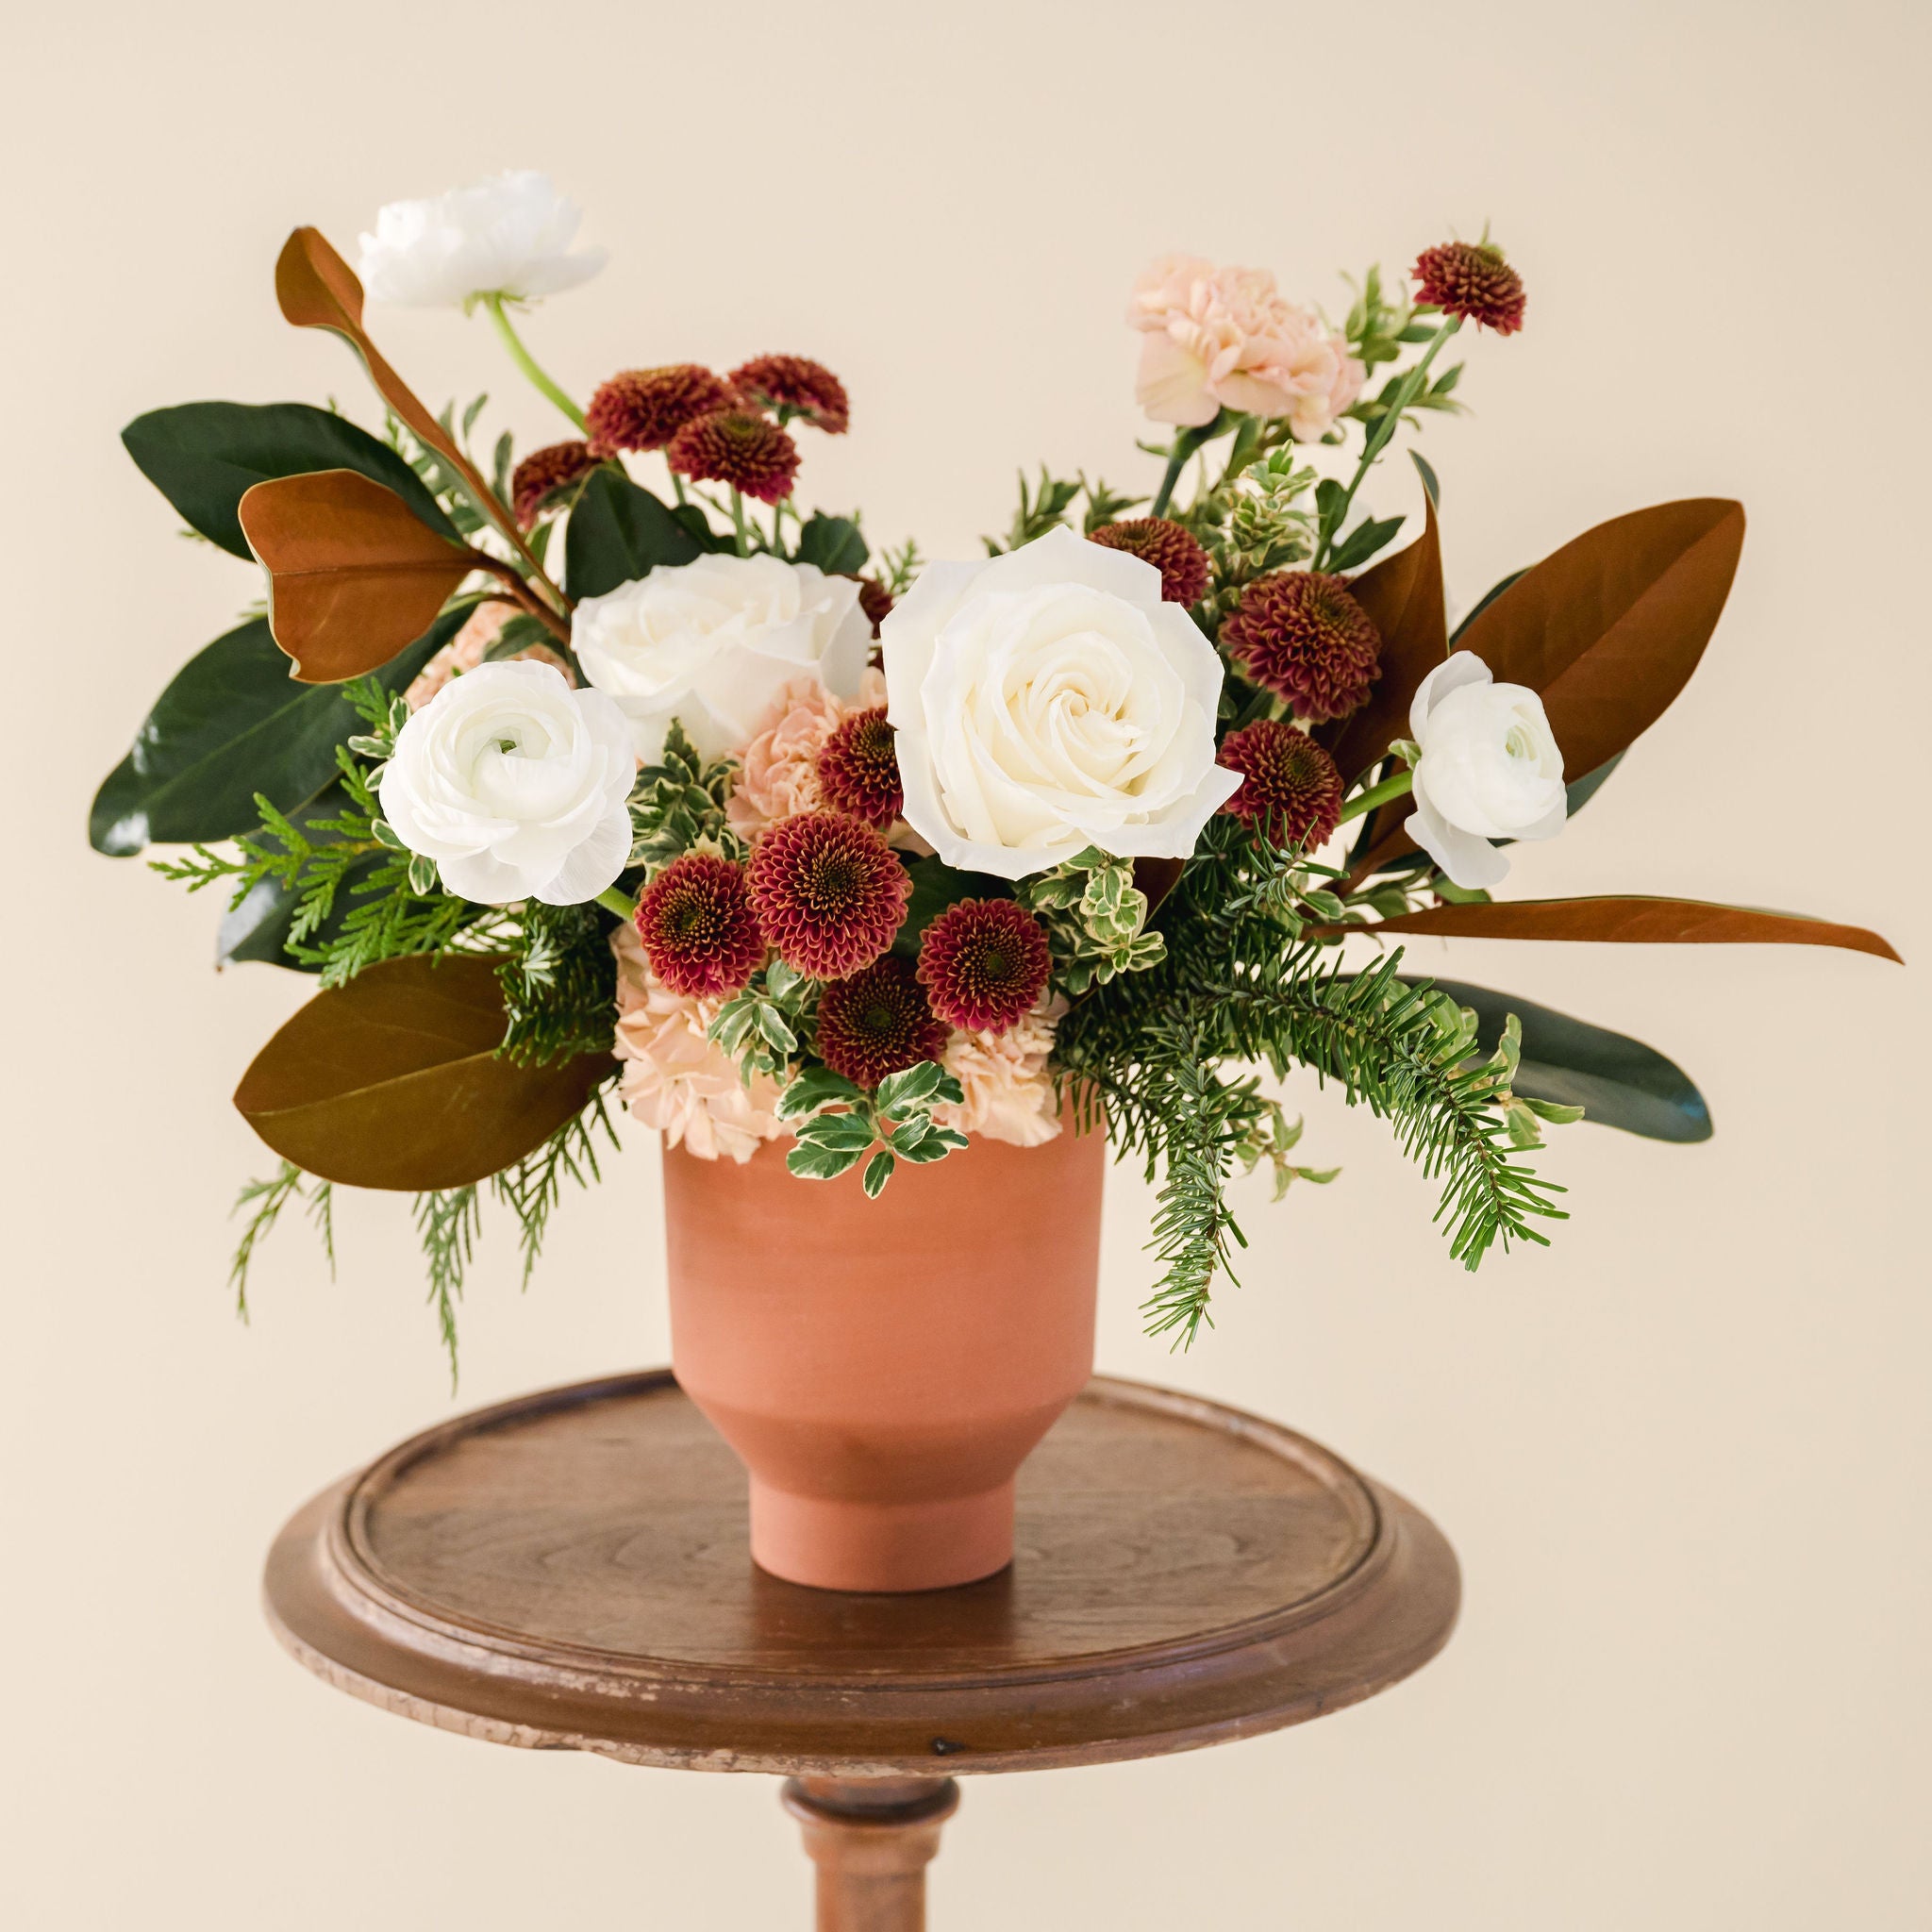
point(738, 525)
point(1383, 432)
point(614, 899)
point(1185, 443)
point(1397, 787)
point(526, 362)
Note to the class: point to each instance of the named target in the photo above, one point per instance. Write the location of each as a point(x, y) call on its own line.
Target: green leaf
point(1363, 541)
point(908, 1088)
point(834, 544)
point(846, 1131)
point(201, 457)
point(936, 886)
point(394, 1080)
point(819, 1164)
point(935, 1146)
point(234, 722)
point(619, 532)
point(878, 1170)
point(816, 1087)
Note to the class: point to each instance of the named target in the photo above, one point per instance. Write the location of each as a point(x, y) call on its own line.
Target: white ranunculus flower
point(507, 236)
point(1490, 768)
point(712, 642)
point(515, 785)
point(1047, 701)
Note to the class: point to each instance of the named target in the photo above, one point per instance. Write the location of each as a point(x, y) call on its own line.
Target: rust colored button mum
point(859, 769)
point(698, 929)
point(643, 408)
point(544, 473)
point(1291, 787)
point(875, 601)
point(984, 964)
point(878, 1022)
point(796, 383)
point(828, 892)
point(1180, 560)
point(1299, 634)
point(1471, 279)
point(750, 453)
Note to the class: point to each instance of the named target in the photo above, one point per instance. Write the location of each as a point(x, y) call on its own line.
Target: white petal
point(592, 866)
point(1468, 861)
point(1458, 668)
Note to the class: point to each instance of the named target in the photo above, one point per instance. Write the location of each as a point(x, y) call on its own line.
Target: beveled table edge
point(331, 1609)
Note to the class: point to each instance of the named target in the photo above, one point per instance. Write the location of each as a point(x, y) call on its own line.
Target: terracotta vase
point(882, 1368)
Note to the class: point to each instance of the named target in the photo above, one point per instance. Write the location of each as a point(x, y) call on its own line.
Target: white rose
point(1047, 701)
point(510, 236)
point(1490, 769)
point(712, 643)
point(515, 785)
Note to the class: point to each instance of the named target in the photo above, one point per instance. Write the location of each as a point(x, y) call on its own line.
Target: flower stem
point(1397, 787)
point(1185, 443)
point(738, 523)
point(614, 899)
point(526, 362)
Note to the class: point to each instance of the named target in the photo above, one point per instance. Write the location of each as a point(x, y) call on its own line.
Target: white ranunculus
point(1047, 701)
point(515, 785)
point(712, 642)
point(507, 236)
point(1490, 768)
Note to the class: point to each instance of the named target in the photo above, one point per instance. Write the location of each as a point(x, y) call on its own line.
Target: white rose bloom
point(515, 785)
point(712, 643)
point(509, 236)
point(1490, 768)
point(1048, 700)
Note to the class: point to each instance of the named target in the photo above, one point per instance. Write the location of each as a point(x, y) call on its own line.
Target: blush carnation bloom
point(1490, 768)
point(466, 650)
point(677, 1079)
point(509, 236)
point(1227, 338)
point(1049, 700)
point(516, 786)
point(1009, 1092)
point(778, 772)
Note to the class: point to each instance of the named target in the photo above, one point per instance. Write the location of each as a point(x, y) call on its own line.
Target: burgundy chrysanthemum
point(1299, 634)
point(828, 892)
point(859, 769)
point(643, 408)
point(700, 933)
point(750, 453)
point(875, 601)
point(796, 383)
point(1472, 279)
point(878, 1022)
point(983, 963)
point(544, 473)
point(1291, 787)
point(1180, 560)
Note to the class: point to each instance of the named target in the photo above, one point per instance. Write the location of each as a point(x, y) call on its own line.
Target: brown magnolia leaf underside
point(354, 577)
point(391, 1081)
point(1634, 922)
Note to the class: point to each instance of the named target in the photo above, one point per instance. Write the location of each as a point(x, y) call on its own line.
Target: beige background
point(1683, 1455)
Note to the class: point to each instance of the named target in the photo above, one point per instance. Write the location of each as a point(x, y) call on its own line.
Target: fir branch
point(269, 1197)
point(448, 1223)
point(533, 1187)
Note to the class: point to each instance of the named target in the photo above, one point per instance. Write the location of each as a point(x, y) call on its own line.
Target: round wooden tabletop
point(570, 1571)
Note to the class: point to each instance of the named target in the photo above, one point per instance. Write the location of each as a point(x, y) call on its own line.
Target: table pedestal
point(871, 1839)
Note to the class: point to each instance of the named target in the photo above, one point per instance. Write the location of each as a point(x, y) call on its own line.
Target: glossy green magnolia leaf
point(1618, 1082)
point(619, 532)
point(203, 457)
point(935, 886)
point(234, 722)
point(258, 929)
point(834, 544)
point(392, 1080)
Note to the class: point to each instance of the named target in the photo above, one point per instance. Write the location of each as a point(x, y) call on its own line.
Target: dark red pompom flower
point(1472, 279)
point(875, 601)
point(1299, 634)
point(643, 408)
point(859, 769)
point(749, 453)
point(878, 1022)
point(544, 473)
point(829, 892)
point(1181, 561)
point(984, 964)
point(1291, 787)
point(796, 383)
point(698, 929)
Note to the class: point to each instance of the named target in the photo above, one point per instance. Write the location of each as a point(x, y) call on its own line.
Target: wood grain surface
point(569, 1571)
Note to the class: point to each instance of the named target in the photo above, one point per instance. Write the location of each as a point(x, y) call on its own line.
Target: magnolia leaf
point(232, 724)
point(353, 574)
point(936, 886)
point(834, 544)
point(1635, 922)
point(205, 457)
point(619, 532)
point(1155, 878)
point(392, 1080)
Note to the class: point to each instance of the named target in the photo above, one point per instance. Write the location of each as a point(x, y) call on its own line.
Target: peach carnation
point(779, 774)
point(464, 651)
point(1009, 1092)
point(675, 1078)
point(1226, 336)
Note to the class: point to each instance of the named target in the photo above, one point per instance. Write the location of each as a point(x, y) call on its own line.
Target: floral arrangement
point(611, 773)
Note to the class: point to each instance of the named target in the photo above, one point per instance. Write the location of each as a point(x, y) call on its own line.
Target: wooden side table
point(568, 1570)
